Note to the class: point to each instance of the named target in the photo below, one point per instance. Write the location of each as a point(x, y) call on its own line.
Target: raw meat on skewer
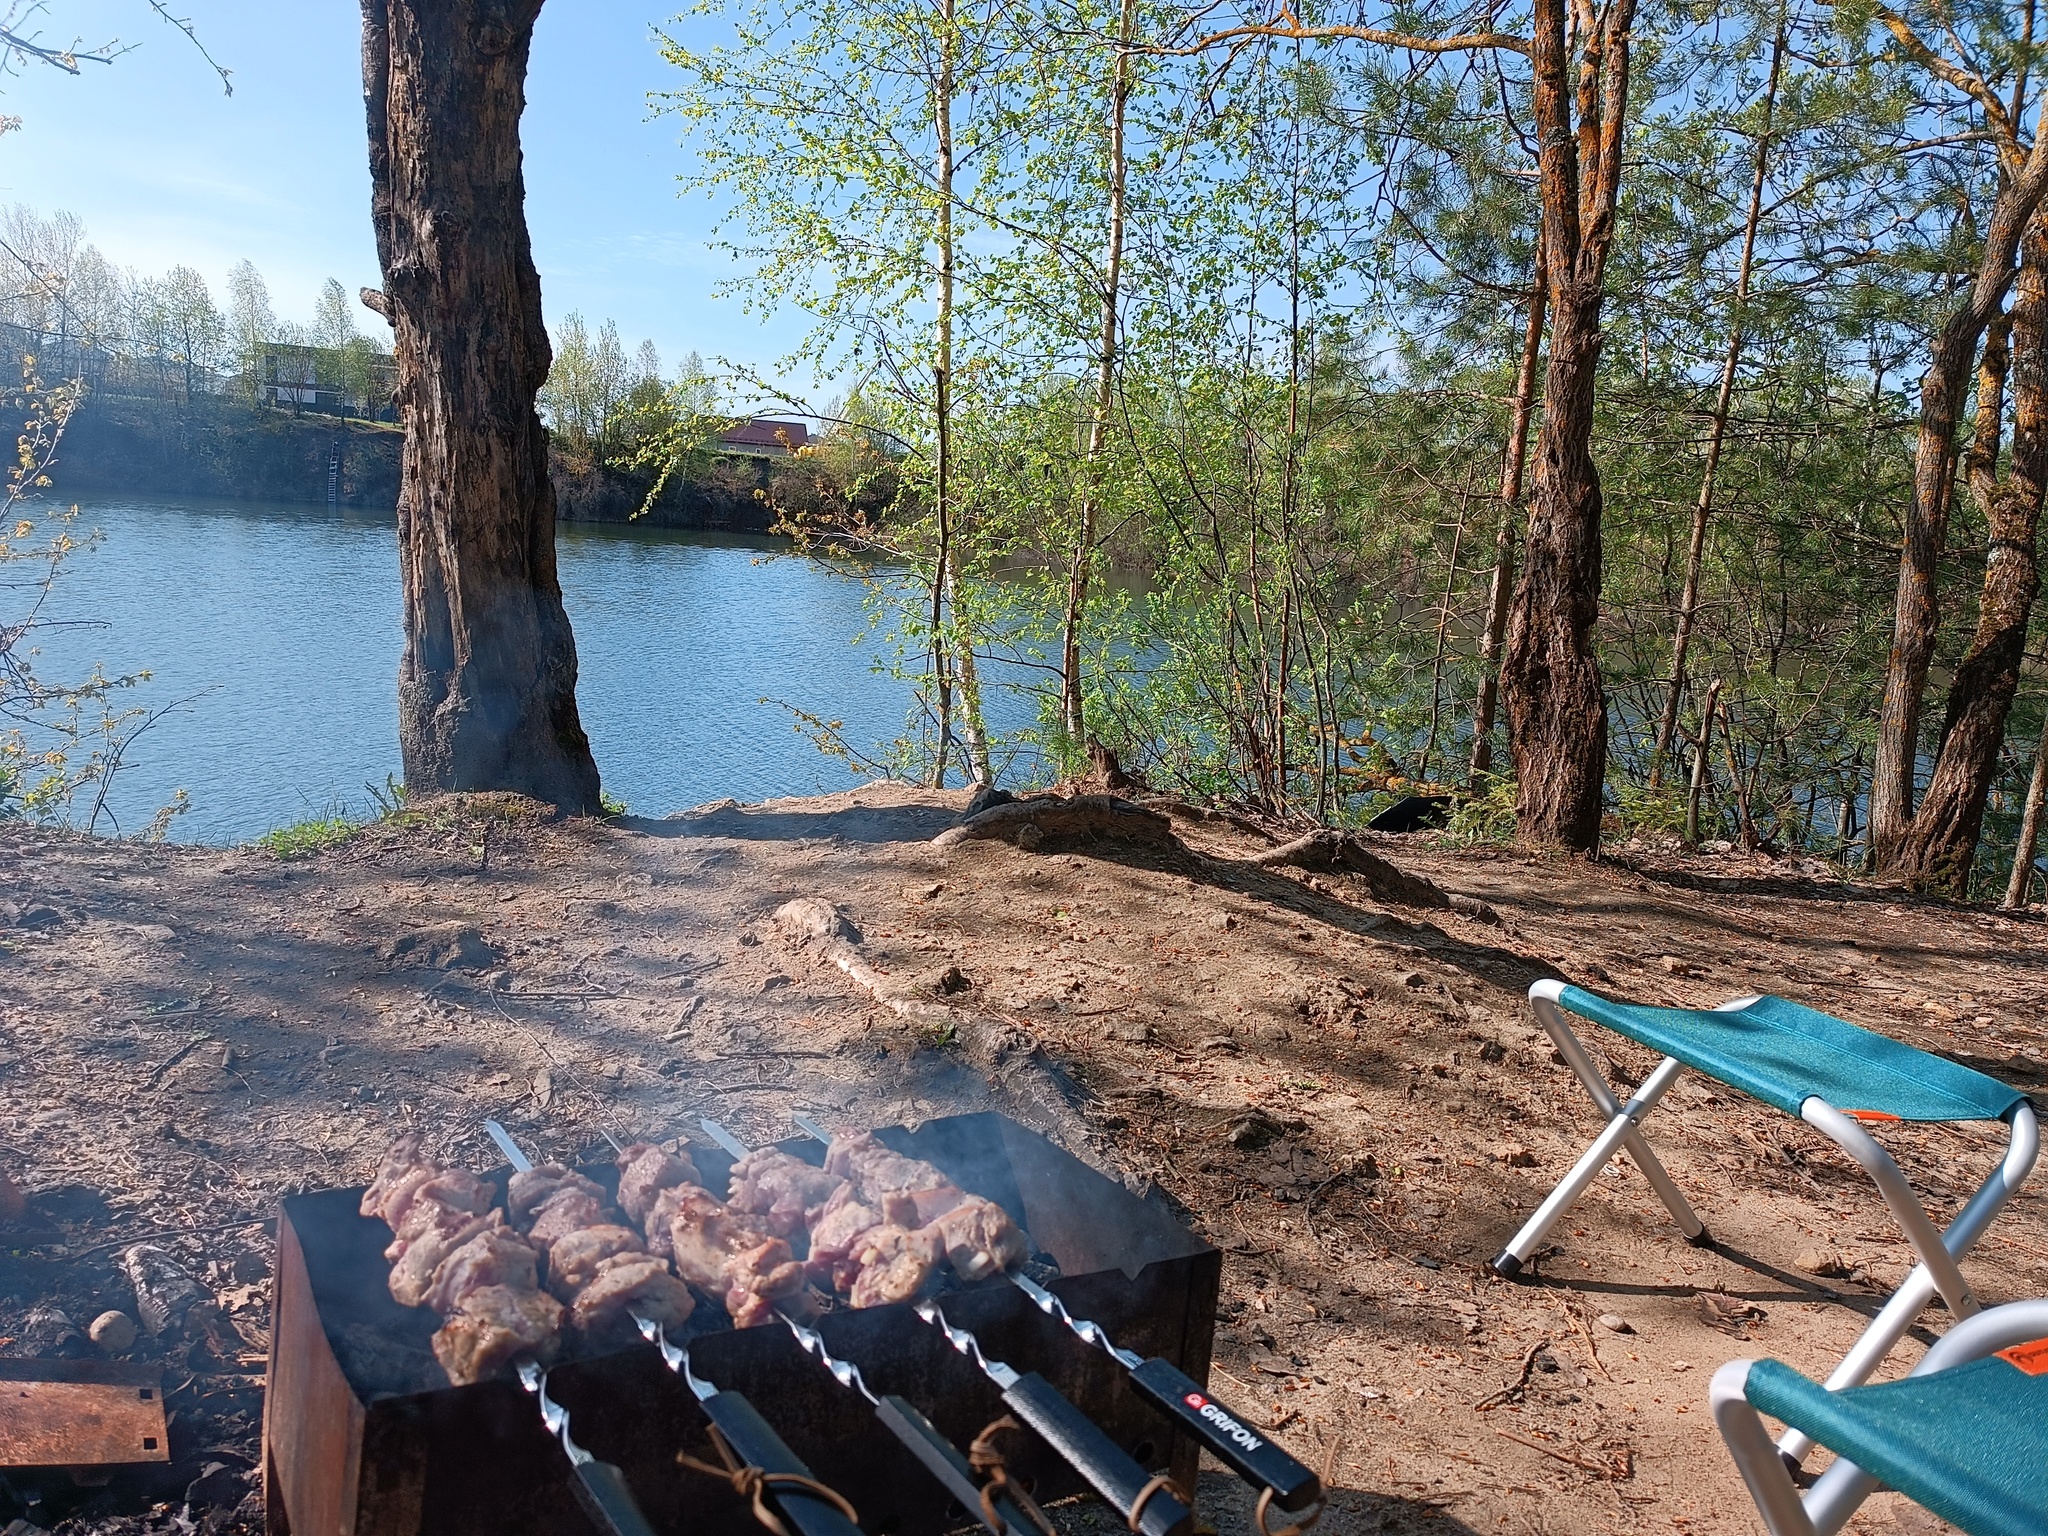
point(645, 1170)
point(450, 1250)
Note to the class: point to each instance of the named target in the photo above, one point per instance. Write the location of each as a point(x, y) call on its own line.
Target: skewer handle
point(759, 1446)
point(601, 1490)
point(1244, 1450)
point(944, 1462)
point(1111, 1471)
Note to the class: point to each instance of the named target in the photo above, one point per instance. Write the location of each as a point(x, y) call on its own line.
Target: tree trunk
point(1550, 678)
point(1916, 619)
point(945, 613)
point(1513, 462)
point(1939, 844)
point(1071, 696)
point(2030, 826)
point(487, 682)
point(1717, 435)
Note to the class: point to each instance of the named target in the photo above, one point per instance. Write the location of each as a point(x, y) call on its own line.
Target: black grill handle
point(759, 1446)
point(944, 1462)
point(1108, 1467)
point(1247, 1452)
point(601, 1490)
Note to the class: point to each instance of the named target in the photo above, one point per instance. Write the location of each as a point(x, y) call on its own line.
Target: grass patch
point(304, 838)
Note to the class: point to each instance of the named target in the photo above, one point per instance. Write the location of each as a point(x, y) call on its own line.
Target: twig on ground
point(1613, 1471)
point(145, 1237)
point(1578, 1321)
point(1520, 1385)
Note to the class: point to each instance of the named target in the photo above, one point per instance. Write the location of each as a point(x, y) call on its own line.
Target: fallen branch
point(1016, 1066)
point(1027, 823)
point(1329, 850)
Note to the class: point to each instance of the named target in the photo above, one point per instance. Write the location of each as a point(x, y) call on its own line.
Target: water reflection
point(284, 621)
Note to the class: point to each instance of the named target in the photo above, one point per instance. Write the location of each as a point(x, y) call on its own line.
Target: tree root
point(1030, 822)
point(1328, 850)
point(1032, 1086)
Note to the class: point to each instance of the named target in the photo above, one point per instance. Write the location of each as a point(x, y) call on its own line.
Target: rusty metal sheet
point(80, 1413)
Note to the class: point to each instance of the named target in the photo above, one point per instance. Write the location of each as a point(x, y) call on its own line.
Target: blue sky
point(164, 168)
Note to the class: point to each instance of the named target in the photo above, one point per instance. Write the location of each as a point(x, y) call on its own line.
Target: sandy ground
point(1349, 1098)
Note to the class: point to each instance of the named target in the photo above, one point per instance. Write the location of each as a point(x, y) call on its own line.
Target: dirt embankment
point(1346, 1093)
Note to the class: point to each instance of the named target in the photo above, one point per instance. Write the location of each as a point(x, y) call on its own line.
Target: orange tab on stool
point(2031, 1358)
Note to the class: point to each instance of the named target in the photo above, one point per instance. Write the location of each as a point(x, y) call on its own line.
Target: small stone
point(1424, 1261)
point(1029, 838)
point(1823, 1263)
point(543, 1087)
point(1414, 979)
point(1681, 1365)
point(114, 1331)
point(1673, 964)
point(1614, 1322)
point(923, 892)
point(1368, 1167)
point(749, 940)
point(1493, 1053)
point(1222, 921)
point(774, 981)
point(1516, 1155)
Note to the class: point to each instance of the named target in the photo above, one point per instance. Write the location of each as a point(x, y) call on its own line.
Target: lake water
point(285, 620)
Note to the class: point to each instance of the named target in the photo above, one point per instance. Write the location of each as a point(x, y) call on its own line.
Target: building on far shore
point(762, 438)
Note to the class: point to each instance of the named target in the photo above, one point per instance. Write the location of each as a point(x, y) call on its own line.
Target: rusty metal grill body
point(363, 1437)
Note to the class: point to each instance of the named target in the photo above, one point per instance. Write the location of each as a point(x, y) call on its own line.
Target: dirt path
point(1348, 1097)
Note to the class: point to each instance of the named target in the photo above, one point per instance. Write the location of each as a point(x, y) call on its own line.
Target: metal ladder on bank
point(334, 474)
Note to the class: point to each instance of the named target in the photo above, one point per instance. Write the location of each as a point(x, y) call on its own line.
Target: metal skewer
point(1135, 1493)
point(1253, 1457)
point(898, 1415)
point(600, 1487)
point(749, 1435)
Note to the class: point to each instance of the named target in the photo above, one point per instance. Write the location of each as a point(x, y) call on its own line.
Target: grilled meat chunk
point(494, 1327)
point(452, 1189)
point(405, 1156)
point(894, 1264)
point(563, 1212)
point(975, 1235)
point(980, 1239)
point(495, 1256)
point(731, 1255)
point(636, 1284)
point(575, 1256)
point(861, 1158)
point(413, 1273)
point(530, 1189)
point(645, 1170)
point(783, 1190)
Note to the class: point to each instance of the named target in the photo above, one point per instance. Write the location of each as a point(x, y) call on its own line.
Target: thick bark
point(1916, 618)
point(1939, 844)
point(1550, 678)
point(1513, 463)
point(487, 682)
point(1717, 434)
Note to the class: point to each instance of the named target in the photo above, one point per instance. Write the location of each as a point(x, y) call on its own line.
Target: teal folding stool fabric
point(1784, 1053)
point(1970, 1444)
